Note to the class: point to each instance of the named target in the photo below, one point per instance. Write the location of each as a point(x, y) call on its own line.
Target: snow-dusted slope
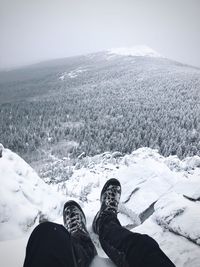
point(160, 197)
point(24, 196)
point(139, 50)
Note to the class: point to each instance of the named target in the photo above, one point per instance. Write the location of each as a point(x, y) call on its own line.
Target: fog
point(37, 30)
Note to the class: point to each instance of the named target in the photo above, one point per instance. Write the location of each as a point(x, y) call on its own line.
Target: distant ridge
point(104, 102)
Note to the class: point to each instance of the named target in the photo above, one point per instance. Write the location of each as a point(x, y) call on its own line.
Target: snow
point(160, 197)
point(139, 50)
point(23, 197)
point(189, 188)
point(15, 247)
point(189, 163)
point(72, 74)
point(179, 215)
point(179, 249)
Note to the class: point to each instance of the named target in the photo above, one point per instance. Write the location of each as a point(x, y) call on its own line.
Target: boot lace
point(74, 221)
point(112, 196)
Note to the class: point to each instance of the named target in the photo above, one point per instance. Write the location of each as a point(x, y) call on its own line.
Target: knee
point(43, 227)
point(48, 229)
point(149, 242)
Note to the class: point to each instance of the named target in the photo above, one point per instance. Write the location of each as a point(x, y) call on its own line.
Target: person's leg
point(75, 223)
point(126, 248)
point(49, 245)
point(122, 246)
point(53, 245)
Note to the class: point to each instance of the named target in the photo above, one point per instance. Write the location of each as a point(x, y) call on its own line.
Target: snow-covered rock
point(160, 197)
point(181, 251)
point(24, 196)
point(179, 215)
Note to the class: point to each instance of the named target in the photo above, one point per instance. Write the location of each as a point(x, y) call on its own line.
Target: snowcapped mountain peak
point(138, 50)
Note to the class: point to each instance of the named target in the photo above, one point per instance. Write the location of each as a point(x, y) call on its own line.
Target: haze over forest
point(33, 31)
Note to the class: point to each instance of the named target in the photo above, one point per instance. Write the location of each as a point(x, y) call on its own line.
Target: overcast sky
point(36, 30)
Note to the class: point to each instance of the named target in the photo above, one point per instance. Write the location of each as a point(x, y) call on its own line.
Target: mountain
point(115, 100)
point(135, 51)
point(160, 197)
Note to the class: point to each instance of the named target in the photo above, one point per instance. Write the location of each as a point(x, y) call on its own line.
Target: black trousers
point(128, 249)
point(50, 245)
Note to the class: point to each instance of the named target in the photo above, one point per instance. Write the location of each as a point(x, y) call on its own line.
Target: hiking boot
point(110, 196)
point(74, 218)
point(75, 222)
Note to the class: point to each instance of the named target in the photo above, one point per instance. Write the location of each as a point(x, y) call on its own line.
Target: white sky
point(36, 30)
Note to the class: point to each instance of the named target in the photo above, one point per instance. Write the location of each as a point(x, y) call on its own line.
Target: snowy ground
point(138, 50)
point(160, 197)
point(72, 74)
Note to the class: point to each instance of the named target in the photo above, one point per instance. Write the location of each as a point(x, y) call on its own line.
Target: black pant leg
point(84, 249)
point(49, 246)
point(128, 249)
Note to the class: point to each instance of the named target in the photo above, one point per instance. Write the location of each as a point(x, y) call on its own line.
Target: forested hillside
point(99, 103)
